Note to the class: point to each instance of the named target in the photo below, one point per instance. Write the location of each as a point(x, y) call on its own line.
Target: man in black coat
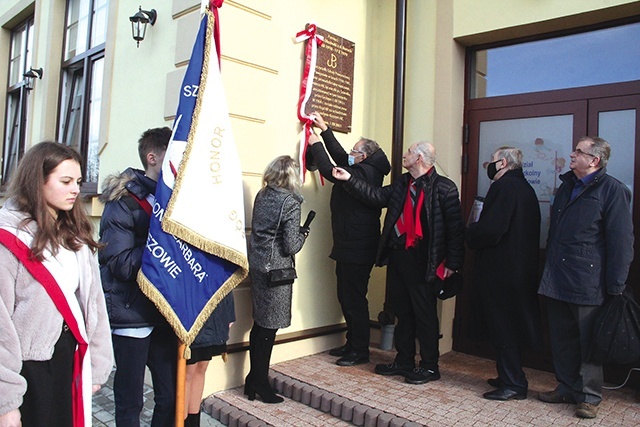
point(356, 230)
point(507, 240)
point(423, 230)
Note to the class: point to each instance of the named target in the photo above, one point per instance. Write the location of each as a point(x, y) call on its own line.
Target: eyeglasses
point(357, 152)
point(579, 151)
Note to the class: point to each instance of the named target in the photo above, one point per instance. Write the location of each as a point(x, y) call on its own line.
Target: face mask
point(351, 160)
point(492, 169)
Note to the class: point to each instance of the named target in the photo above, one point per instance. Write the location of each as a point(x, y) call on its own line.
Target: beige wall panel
point(247, 35)
point(186, 31)
point(172, 91)
point(521, 18)
point(247, 90)
point(179, 7)
point(139, 76)
point(420, 77)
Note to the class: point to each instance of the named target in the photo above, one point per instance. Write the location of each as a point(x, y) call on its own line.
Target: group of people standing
point(589, 252)
point(59, 337)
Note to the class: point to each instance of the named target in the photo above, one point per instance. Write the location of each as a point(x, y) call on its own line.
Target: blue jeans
point(158, 351)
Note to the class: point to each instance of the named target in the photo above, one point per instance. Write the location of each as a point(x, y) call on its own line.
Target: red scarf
point(409, 222)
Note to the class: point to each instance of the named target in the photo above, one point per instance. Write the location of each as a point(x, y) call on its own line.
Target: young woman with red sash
point(55, 346)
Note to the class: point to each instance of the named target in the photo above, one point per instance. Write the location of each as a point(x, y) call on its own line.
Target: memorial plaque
point(332, 92)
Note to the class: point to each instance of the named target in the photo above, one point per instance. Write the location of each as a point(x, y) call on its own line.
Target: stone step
point(231, 408)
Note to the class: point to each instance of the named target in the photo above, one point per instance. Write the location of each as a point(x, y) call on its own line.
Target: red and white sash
point(18, 242)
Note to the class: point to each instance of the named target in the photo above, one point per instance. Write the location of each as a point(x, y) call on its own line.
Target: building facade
point(91, 86)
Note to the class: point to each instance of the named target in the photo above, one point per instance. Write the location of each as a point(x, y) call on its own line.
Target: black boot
point(193, 420)
point(260, 348)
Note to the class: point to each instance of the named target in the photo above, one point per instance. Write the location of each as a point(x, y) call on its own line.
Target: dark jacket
point(355, 225)
point(590, 244)
point(124, 227)
point(441, 209)
point(216, 329)
point(507, 239)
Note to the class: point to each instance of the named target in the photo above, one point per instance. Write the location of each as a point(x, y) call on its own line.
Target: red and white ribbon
point(214, 5)
point(313, 41)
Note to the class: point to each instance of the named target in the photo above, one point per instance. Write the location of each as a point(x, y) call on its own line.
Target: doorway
point(546, 127)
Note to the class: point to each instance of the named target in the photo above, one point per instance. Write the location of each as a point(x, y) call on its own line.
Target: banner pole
point(180, 384)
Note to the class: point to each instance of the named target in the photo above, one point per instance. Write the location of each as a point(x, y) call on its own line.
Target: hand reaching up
point(340, 174)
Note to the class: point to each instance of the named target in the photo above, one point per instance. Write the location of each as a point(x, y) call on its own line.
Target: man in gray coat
point(589, 250)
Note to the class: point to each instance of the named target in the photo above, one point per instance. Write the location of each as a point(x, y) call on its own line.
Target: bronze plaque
point(332, 91)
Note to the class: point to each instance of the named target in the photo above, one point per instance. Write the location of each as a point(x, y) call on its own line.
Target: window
point(16, 108)
point(82, 79)
point(598, 57)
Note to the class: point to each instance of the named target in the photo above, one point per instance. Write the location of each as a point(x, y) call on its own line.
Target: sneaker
point(586, 410)
point(554, 397)
point(420, 375)
point(392, 369)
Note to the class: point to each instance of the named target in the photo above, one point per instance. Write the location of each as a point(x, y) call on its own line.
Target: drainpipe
point(387, 316)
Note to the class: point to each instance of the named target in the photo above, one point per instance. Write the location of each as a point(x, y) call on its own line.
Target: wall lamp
point(139, 23)
point(30, 77)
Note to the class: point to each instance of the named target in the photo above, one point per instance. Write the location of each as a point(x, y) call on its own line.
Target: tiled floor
point(104, 412)
point(455, 400)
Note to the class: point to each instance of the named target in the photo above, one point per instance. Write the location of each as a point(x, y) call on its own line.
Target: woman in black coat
point(507, 240)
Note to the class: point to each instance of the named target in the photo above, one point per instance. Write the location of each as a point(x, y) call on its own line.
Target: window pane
point(71, 117)
point(77, 27)
point(619, 129)
point(99, 26)
point(598, 57)
point(545, 143)
point(95, 104)
point(16, 58)
point(12, 132)
point(29, 46)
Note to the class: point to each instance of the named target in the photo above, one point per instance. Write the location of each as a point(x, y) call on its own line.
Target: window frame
point(12, 144)
point(81, 62)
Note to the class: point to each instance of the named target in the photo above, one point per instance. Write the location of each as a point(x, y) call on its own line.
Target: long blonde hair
point(283, 172)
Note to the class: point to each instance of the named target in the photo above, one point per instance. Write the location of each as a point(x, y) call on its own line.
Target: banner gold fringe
point(187, 337)
point(194, 238)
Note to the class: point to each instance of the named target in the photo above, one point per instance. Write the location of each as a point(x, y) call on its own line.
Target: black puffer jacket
point(355, 225)
point(123, 229)
point(442, 210)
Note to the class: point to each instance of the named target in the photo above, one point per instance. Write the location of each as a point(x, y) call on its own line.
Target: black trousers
point(47, 401)
point(570, 328)
point(415, 304)
point(159, 352)
point(353, 282)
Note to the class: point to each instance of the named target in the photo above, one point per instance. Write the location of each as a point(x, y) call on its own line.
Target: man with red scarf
point(423, 228)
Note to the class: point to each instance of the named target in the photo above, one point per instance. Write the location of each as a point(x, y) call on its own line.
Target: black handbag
point(616, 330)
point(280, 276)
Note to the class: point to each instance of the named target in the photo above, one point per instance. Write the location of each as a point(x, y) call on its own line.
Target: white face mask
point(351, 160)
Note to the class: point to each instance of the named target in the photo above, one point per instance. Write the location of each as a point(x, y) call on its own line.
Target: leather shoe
point(586, 410)
point(352, 359)
point(504, 393)
point(392, 369)
point(420, 375)
point(554, 396)
point(494, 382)
point(339, 351)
